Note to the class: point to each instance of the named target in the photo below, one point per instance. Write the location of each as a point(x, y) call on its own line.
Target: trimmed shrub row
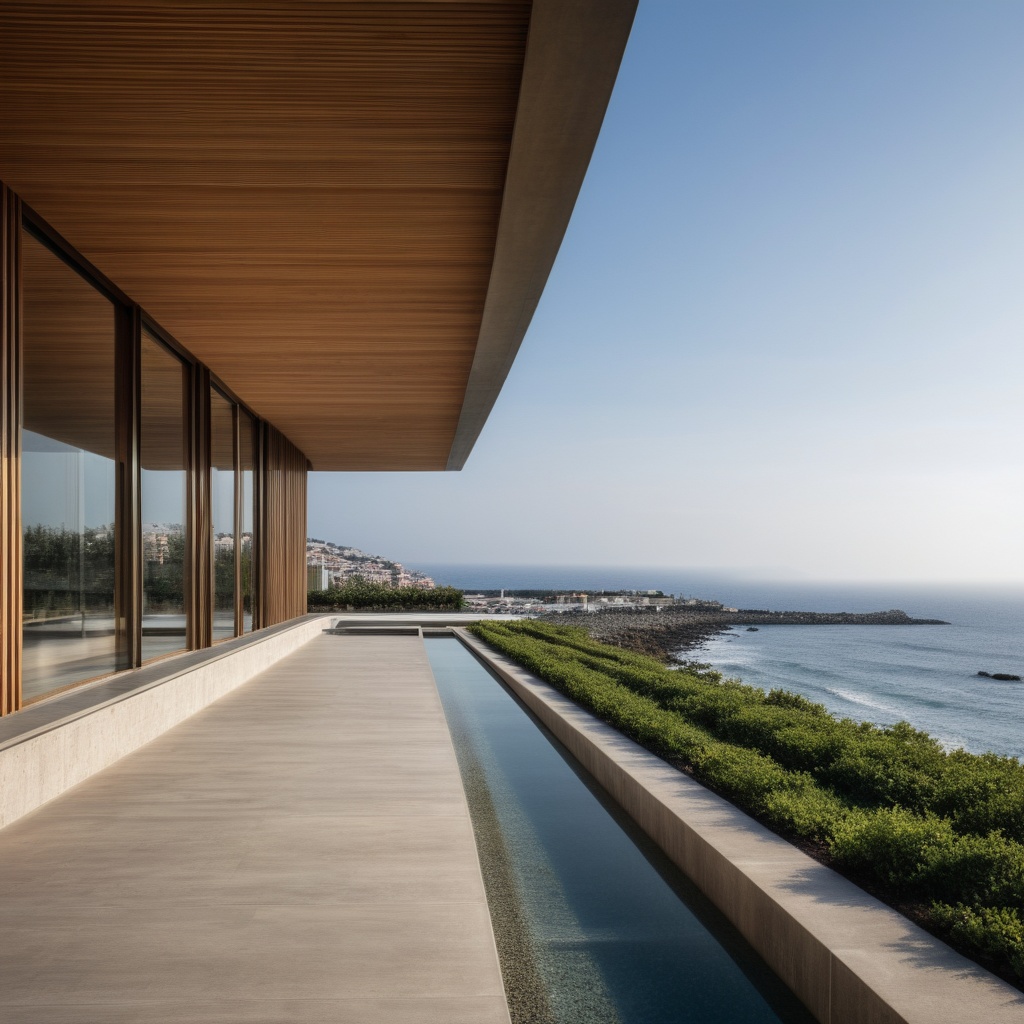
point(898, 766)
point(359, 595)
point(792, 765)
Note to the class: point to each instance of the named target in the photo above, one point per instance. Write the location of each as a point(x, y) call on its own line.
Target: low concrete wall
point(52, 746)
point(847, 956)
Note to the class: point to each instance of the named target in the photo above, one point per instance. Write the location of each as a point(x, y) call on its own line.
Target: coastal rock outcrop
point(666, 633)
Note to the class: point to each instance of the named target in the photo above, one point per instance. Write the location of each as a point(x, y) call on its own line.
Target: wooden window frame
point(11, 596)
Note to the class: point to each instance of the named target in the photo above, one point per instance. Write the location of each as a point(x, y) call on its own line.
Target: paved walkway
point(299, 851)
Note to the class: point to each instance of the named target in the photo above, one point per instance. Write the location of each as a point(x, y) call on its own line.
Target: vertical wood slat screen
point(281, 535)
point(10, 452)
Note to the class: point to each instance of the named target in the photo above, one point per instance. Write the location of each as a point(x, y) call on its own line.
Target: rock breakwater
point(664, 634)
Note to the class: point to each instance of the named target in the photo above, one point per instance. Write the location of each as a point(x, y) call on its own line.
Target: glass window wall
point(164, 456)
point(70, 627)
point(246, 428)
point(222, 499)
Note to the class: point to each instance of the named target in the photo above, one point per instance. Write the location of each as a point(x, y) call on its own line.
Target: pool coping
point(846, 955)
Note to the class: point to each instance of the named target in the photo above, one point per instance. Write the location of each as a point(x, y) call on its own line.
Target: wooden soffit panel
point(306, 195)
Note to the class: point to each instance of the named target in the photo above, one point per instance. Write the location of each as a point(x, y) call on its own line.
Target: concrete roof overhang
point(347, 210)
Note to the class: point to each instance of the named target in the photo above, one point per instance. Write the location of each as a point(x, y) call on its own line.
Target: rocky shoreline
point(666, 633)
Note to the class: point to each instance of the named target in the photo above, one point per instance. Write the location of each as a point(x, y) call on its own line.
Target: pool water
point(594, 925)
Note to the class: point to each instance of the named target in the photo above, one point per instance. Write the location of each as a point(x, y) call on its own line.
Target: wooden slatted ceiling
point(304, 194)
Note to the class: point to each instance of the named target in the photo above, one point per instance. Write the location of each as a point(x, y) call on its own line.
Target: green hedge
point(892, 808)
point(879, 767)
point(357, 594)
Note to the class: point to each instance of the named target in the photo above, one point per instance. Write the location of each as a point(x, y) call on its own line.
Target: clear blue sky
point(785, 331)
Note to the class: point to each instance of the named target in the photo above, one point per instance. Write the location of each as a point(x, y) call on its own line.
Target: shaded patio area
point(301, 850)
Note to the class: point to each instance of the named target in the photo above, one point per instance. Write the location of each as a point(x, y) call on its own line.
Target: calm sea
point(926, 675)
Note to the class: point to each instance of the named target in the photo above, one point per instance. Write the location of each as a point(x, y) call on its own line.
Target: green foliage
point(992, 932)
point(163, 583)
point(245, 565)
point(898, 766)
point(67, 571)
point(224, 577)
point(924, 857)
point(358, 594)
point(893, 808)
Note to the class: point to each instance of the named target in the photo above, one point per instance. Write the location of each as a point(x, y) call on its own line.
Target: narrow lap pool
point(594, 925)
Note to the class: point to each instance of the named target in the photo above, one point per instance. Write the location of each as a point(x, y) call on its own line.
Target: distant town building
point(341, 563)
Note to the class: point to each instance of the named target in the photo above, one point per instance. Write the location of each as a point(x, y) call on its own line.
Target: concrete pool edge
point(847, 956)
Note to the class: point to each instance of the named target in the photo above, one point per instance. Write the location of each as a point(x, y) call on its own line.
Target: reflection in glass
point(162, 443)
point(68, 478)
point(245, 451)
point(222, 499)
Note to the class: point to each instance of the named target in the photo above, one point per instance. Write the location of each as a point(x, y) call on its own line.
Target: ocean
point(926, 675)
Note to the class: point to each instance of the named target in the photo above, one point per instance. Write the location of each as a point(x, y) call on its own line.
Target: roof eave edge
point(572, 58)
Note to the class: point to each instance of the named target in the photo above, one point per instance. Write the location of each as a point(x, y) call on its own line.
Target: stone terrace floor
point(301, 850)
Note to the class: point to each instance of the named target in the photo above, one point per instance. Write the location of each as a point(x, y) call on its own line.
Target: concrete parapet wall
point(847, 956)
point(54, 745)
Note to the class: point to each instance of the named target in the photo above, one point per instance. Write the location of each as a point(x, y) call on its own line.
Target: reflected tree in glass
point(246, 427)
point(164, 496)
point(222, 495)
